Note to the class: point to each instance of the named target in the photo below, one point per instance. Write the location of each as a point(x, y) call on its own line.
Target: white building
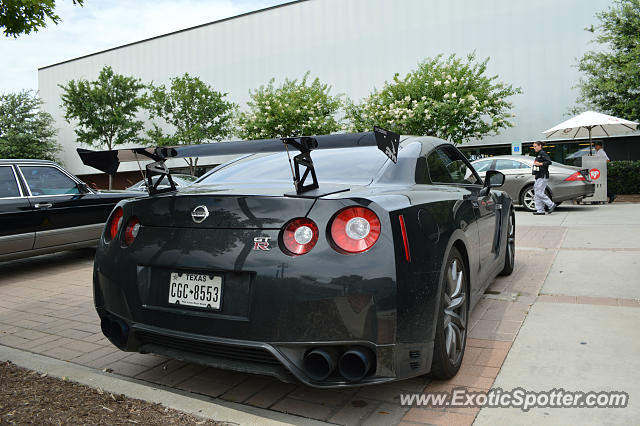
point(355, 45)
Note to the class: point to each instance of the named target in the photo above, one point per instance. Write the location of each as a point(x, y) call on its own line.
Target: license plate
point(199, 290)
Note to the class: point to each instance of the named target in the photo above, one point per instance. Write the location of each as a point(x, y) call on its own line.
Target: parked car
point(565, 182)
point(44, 209)
point(368, 279)
point(178, 179)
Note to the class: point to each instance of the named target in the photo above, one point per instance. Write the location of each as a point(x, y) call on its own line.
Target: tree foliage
point(292, 109)
point(194, 111)
point(449, 98)
point(104, 111)
point(612, 76)
point(25, 130)
point(19, 17)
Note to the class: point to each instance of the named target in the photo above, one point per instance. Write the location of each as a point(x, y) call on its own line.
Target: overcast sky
point(103, 24)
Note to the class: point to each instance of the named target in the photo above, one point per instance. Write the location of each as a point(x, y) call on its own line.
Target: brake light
point(114, 224)
point(299, 236)
point(131, 230)
point(355, 229)
point(575, 176)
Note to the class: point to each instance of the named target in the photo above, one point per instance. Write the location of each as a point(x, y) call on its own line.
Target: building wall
point(355, 45)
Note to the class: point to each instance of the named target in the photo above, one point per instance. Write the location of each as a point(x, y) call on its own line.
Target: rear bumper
point(282, 360)
point(572, 190)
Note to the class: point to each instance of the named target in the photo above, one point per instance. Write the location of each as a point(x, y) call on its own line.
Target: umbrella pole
point(590, 144)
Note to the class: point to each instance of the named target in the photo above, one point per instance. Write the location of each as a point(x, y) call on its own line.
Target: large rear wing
point(301, 169)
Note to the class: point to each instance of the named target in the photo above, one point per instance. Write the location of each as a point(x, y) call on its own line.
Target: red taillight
point(299, 236)
point(355, 229)
point(131, 230)
point(114, 224)
point(575, 176)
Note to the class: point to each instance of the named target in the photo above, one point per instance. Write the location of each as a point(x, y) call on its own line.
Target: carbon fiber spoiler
point(109, 161)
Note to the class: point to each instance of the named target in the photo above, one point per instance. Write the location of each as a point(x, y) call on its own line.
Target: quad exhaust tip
point(353, 365)
point(115, 330)
point(320, 363)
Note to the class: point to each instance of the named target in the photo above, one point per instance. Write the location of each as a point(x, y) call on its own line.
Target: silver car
point(565, 182)
point(179, 179)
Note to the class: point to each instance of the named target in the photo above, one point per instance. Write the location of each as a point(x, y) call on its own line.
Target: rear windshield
point(353, 165)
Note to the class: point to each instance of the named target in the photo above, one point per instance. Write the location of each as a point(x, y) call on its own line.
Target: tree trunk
point(110, 181)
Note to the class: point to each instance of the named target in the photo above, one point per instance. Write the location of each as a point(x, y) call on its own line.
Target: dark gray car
point(565, 182)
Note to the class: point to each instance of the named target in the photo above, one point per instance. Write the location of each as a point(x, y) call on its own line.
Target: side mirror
point(493, 179)
point(83, 188)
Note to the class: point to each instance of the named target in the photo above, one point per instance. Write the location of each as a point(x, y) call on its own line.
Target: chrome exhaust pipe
point(355, 364)
point(319, 363)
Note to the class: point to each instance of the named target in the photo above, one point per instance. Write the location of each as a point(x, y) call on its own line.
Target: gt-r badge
point(199, 214)
point(261, 243)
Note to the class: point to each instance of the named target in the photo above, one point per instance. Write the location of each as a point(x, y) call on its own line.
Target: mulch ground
point(29, 397)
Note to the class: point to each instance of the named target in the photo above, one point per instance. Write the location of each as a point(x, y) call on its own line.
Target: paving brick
point(88, 358)
point(128, 369)
point(473, 381)
point(103, 361)
point(587, 300)
point(482, 343)
point(204, 387)
point(438, 417)
point(491, 357)
point(354, 411)
point(382, 393)
point(161, 370)
point(62, 353)
point(81, 346)
point(270, 394)
point(386, 414)
point(247, 389)
point(303, 408)
point(329, 397)
point(180, 375)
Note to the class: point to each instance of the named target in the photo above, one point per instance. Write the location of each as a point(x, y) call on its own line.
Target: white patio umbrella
point(590, 123)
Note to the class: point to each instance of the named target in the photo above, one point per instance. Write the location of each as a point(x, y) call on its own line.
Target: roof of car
point(24, 160)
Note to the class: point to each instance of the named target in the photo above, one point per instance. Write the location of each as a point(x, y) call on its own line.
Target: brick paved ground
point(46, 307)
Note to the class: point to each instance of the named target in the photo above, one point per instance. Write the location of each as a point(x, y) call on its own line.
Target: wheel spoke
point(458, 288)
point(454, 270)
point(455, 318)
point(449, 339)
point(456, 303)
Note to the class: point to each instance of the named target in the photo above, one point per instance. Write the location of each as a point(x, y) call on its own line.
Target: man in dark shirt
point(541, 172)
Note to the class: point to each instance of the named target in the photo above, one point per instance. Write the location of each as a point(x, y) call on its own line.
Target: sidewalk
point(582, 333)
point(579, 259)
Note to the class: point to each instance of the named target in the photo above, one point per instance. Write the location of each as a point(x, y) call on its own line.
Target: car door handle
point(43, 205)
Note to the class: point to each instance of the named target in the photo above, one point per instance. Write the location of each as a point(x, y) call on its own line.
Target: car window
point(8, 184)
point(352, 165)
point(503, 164)
point(447, 165)
point(46, 180)
point(482, 166)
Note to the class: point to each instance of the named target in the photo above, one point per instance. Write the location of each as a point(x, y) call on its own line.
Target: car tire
point(451, 327)
point(510, 252)
point(526, 198)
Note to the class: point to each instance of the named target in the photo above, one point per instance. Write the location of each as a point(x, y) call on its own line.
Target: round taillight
point(115, 223)
point(299, 236)
point(131, 230)
point(355, 229)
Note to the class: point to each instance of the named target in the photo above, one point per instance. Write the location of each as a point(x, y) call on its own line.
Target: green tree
point(104, 111)
point(25, 130)
point(194, 111)
point(448, 98)
point(24, 16)
point(293, 109)
point(612, 75)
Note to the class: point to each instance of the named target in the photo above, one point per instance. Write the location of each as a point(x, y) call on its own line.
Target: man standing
point(541, 172)
point(600, 153)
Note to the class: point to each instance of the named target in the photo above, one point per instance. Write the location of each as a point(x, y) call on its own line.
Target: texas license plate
point(199, 290)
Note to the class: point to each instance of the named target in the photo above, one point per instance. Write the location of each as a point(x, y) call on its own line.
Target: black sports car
point(368, 278)
point(44, 209)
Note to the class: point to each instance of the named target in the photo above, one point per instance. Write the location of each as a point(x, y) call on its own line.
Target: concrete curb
point(199, 405)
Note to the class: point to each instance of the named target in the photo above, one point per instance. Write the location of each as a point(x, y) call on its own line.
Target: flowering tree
point(448, 98)
point(292, 109)
point(194, 112)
